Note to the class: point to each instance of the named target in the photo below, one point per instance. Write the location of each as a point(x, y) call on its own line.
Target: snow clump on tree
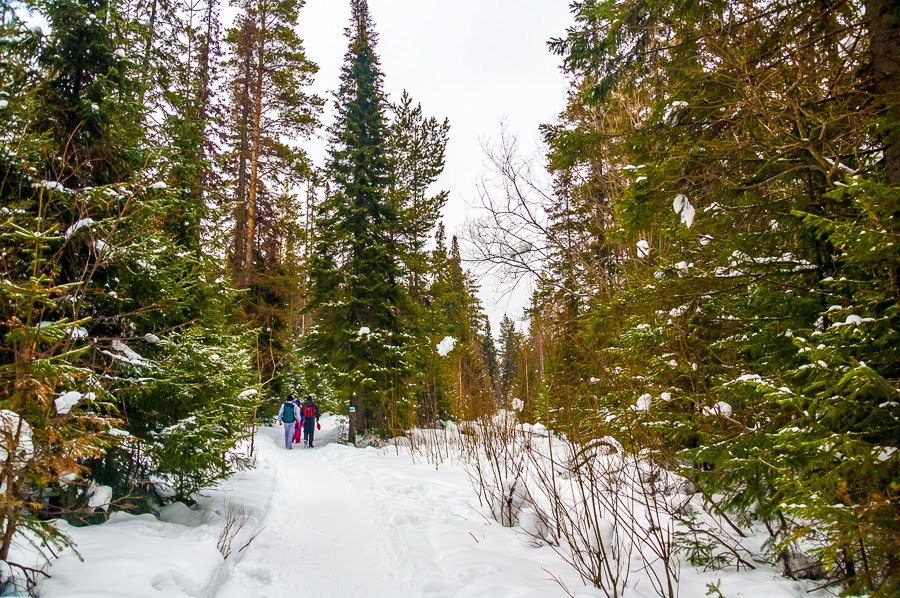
point(446, 345)
point(66, 401)
point(643, 403)
point(684, 208)
point(721, 408)
point(643, 248)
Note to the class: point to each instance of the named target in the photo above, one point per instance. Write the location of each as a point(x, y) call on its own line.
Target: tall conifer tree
point(510, 347)
point(270, 73)
point(736, 154)
point(354, 290)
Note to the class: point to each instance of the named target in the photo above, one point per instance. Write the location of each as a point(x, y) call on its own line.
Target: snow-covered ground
point(337, 521)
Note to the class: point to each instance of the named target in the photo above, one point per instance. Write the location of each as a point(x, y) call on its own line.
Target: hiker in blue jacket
point(310, 414)
point(288, 415)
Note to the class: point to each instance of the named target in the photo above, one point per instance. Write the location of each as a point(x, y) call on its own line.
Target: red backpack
point(309, 411)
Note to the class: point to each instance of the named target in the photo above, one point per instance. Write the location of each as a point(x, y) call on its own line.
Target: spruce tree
point(728, 148)
point(182, 53)
point(510, 347)
point(416, 147)
point(355, 291)
point(471, 384)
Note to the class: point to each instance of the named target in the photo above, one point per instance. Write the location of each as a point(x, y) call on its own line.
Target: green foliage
point(355, 269)
point(111, 326)
point(270, 112)
point(208, 407)
point(416, 146)
point(728, 304)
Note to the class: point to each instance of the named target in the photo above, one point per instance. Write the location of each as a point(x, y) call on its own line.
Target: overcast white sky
point(476, 62)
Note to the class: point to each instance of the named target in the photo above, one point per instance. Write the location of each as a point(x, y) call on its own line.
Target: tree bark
point(250, 240)
point(356, 400)
point(884, 43)
point(243, 135)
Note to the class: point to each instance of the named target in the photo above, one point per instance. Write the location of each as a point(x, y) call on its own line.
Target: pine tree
point(270, 71)
point(269, 104)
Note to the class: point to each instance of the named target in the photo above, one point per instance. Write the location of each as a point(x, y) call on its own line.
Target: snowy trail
point(332, 522)
point(318, 536)
point(336, 522)
point(347, 522)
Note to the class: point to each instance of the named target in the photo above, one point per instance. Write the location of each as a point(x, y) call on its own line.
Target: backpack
point(287, 416)
point(309, 411)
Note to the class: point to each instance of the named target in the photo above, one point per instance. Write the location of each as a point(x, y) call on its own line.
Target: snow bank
point(136, 556)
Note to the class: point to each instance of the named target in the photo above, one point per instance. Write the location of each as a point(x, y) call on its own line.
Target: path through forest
point(345, 522)
point(318, 537)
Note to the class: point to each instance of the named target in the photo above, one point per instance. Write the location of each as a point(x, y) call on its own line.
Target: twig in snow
point(559, 582)
point(253, 537)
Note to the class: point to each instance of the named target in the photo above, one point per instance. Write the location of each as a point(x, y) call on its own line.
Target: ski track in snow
point(317, 535)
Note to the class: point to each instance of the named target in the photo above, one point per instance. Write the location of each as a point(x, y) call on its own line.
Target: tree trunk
point(148, 47)
point(8, 532)
point(250, 240)
point(206, 56)
point(243, 135)
point(884, 34)
point(356, 401)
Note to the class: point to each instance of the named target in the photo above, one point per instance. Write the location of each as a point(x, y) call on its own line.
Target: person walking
point(288, 416)
point(310, 415)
